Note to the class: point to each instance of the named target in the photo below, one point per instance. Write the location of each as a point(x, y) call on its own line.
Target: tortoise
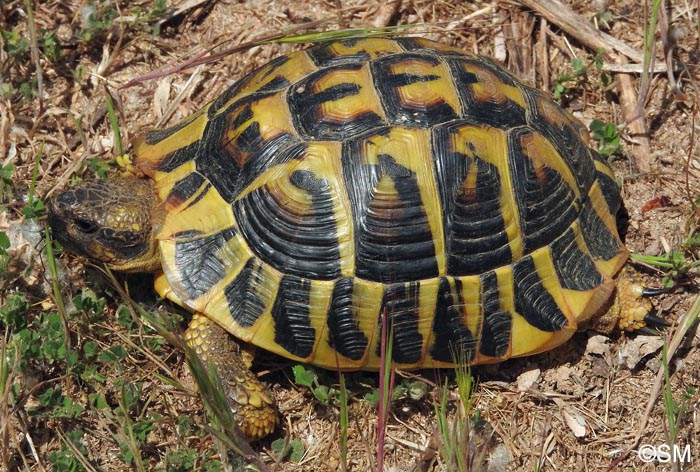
point(366, 183)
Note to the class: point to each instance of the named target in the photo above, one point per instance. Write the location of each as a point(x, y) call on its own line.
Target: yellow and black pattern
point(377, 182)
point(479, 212)
point(397, 220)
point(416, 90)
point(335, 103)
point(294, 236)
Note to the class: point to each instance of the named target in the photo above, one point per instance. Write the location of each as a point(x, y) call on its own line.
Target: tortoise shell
point(393, 182)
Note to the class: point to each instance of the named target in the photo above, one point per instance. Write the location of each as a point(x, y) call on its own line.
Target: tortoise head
point(109, 221)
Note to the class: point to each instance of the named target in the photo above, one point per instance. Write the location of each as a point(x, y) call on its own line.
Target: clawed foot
point(251, 403)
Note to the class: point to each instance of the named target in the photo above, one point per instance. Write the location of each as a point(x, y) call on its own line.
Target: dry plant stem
point(668, 43)
point(386, 12)
point(518, 27)
point(640, 155)
point(5, 126)
point(208, 55)
point(34, 50)
point(184, 8)
point(542, 56)
point(566, 19)
point(690, 192)
point(187, 88)
point(635, 68)
point(649, 60)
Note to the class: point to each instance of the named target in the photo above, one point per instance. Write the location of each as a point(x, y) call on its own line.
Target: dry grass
point(129, 400)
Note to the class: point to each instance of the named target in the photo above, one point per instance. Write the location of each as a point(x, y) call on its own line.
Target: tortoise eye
point(85, 226)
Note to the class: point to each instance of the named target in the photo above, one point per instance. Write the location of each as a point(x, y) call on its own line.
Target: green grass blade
point(387, 374)
point(114, 123)
point(343, 398)
point(340, 35)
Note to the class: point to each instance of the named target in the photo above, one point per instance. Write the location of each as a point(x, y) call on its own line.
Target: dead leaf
point(562, 377)
point(527, 379)
point(598, 344)
point(161, 98)
point(575, 422)
point(633, 351)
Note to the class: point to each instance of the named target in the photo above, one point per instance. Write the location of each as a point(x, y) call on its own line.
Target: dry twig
point(581, 29)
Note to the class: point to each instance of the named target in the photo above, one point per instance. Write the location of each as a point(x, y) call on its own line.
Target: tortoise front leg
point(250, 401)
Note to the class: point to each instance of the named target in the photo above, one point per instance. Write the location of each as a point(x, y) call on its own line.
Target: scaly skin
point(110, 221)
point(250, 401)
point(114, 221)
point(629, 306)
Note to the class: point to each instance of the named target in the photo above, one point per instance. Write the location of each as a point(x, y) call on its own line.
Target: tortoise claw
point(653, 292)
point(652, 320)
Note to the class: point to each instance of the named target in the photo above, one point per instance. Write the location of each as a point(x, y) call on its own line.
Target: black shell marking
point(451, 337)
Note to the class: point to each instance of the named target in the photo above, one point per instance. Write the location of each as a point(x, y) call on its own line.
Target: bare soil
point(581, 407)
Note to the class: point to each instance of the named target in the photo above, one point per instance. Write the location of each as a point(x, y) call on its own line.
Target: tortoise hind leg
point(251, 403)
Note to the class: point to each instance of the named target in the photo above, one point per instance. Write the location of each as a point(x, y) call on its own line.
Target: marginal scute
point(198, 261)
point(609, 188)
point(575, 268)
point(453, 341)
point(293, 329)
point(532, 300)
point(496, 322)
point(344, 334)
point(192, 185)
point(245, 303)
point(400, 313)
point(155, 137)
